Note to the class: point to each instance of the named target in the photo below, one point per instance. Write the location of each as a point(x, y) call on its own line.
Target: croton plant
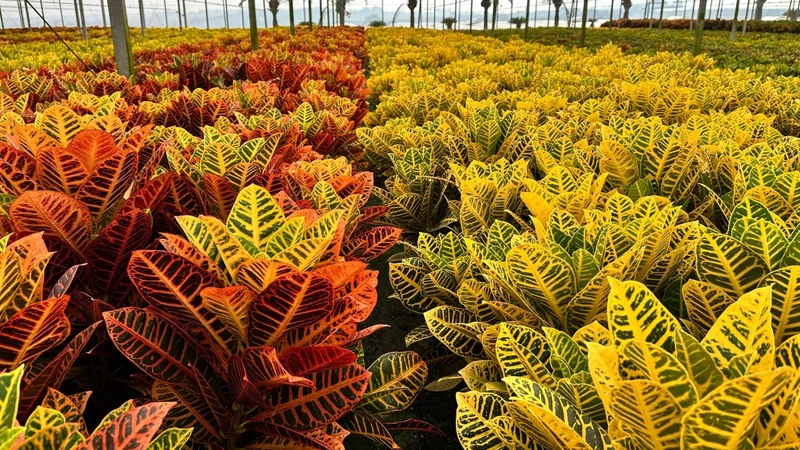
point(194, 244)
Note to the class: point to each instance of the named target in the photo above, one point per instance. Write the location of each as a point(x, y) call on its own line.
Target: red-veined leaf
point(92, 147)
point(341, 273)
point(363, 289)
point(183, 197)
point(276, 437)
point(111, 250)
point(153, 345)
point(149, 158)
point(107, 185)
point(336, 392)
point(334, 329)
point(230, 304)
point(173, 284)
point(59, 170)
point(181, 247)
point(16, 171)
point(219, 412)
point(265, 370)
point(56, 215)
point(36, 383)
point(258, 274)
point(132, 430)
point(136, 138)
point(366, 332)
point(371, 213)
point(290, 302)
point(220, 195)
point(150, 196)
point(32, 331)
point(192, 410)
point(304, 360)
point(243, 390)
point(84, 310)
point(371, 243)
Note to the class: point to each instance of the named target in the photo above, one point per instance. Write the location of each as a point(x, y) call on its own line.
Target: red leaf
point(59, 170)
point(181, 247)
point(32, 331)
point(150, 196)
point(153, 344)
point(35, 384)
point(243, 390)
point(230, 304)
point(278, 437)
point(111, 250)
point(83, 310)
point(136, 138)
point(265, 370)
point(132, 430)
point(336, 392)
point(57, 215)
point(219, 194)
point(340, 273)
point(371, 213)
point(92, 147)
point(304, 360)
point(107, 185)
point(372, 243)
point(193, 410)
point(359, 335)
point(172, 284)
point(258, 274)
point(291, 302)
point(363, 289)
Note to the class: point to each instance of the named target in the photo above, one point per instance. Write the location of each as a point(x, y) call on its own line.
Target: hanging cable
point(58, 36)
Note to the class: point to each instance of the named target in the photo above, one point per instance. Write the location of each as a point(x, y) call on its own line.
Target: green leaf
point(397, 378)
point(648, 413)
point(171, 439)
point(744, 327)
point(8, 437)
point(728, 264)
point(634, 313)
point(9, 396)
point(725, 417)
point(42, 418)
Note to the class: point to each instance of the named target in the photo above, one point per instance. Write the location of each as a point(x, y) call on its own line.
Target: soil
point(437, 408)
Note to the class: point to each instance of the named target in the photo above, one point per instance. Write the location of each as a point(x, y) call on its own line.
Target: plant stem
point(233, 430)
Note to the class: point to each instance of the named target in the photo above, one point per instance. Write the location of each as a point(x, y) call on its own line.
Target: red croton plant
point(251, 328)
point(206, 236)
